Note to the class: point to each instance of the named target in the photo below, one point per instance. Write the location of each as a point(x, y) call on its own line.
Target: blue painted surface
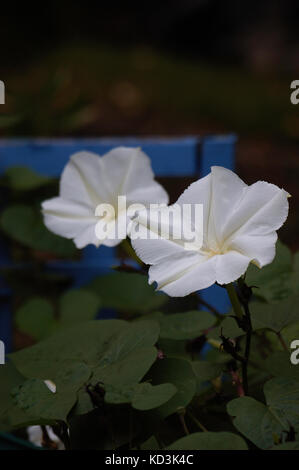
point(188, 156)
point(218, 151)
point(170, 157)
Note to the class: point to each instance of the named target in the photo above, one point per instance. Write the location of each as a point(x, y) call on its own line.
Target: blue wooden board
point(172, 157)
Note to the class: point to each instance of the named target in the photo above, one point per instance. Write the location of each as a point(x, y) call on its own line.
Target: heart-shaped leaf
point(275, 316)
point(142, 396)
point(78, 305)
point(179, 372)
point(36, 318)
point(22, 178)
point(25, 225)
point(187, 325)
point(273, 281)
point(210, 441)
point(127, 292)
point(267, 424)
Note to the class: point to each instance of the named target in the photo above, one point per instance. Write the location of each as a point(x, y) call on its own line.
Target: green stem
point(127, 247)
point(234, 300)
point(211, 308)
point(282, 341)
point(181, 415)
point(247, 349)
point(197, 422)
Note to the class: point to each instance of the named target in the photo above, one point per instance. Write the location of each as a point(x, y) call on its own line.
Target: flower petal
point(226, 191)
point(199, 192)
point(70, 220)
point(178, 276)
point(84, 180)
point(129, 173)
point(230, 266)
point(252, 227)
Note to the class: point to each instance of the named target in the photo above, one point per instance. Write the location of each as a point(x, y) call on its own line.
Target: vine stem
point(247, 350)
point(181, 415)
point(247, 329)
point(197, 422)
point(210, 307)
point(128, 249)
point(234, 300)
point(282, 341)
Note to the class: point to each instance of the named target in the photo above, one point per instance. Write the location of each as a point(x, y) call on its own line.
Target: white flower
point(50, 385)
point(88, 181)
point(239, 227)
point(35, 436)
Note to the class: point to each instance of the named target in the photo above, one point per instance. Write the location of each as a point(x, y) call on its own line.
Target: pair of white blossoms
point(239, 221)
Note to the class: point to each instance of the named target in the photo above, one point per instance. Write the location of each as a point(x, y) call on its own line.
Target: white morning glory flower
point(89, 181)
point(239, 227)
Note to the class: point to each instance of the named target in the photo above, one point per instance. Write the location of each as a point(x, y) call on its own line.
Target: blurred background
point(164, 68)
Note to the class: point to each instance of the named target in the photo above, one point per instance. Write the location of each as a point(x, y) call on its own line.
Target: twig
point(181, 415)
point(238, 382)
point(197, 422)
point(210, 307)
point(234, 300)
point(282, 341)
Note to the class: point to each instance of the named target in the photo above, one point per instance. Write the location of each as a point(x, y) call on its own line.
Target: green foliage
point(178, 372)
point(273, 281)
point(142, 396)
point(112, 353)
point(37, 316)
point(141, 383)
point(210, 441)
point(184, 326)
point(275, 316)
point(19, 178)
point(24, 224)
point(267, 425)
point(78, 305)
point(129, 293)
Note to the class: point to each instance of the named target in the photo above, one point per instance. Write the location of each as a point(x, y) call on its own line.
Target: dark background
point(159, 68)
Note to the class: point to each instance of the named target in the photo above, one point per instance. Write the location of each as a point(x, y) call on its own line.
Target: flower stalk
point(234, 300)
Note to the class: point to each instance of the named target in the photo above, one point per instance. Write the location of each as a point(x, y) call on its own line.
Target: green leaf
point(23, 178)
point(187, 325)
point(130, 355)
point(117, 352)
point(282, 396)
point(228, 327)
point(210, 441)
point(9, 379)
point(36, 318)
point(287, 446)
point(150, 444)
point(85, 342)
point(34, 398)
point(129, 293)
point(205, 370)
point(142, 396)
point(112, 352)
point(267, 424)
point(77, 306)
point(295, 274)
point(126, 370)
point(25, 225)
point(279, 365)
point(253, 419)
point(275, 316)
point(148, 397)
point(273, 280)
point(291, 333)
point(178, 372)
point(39, 404)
